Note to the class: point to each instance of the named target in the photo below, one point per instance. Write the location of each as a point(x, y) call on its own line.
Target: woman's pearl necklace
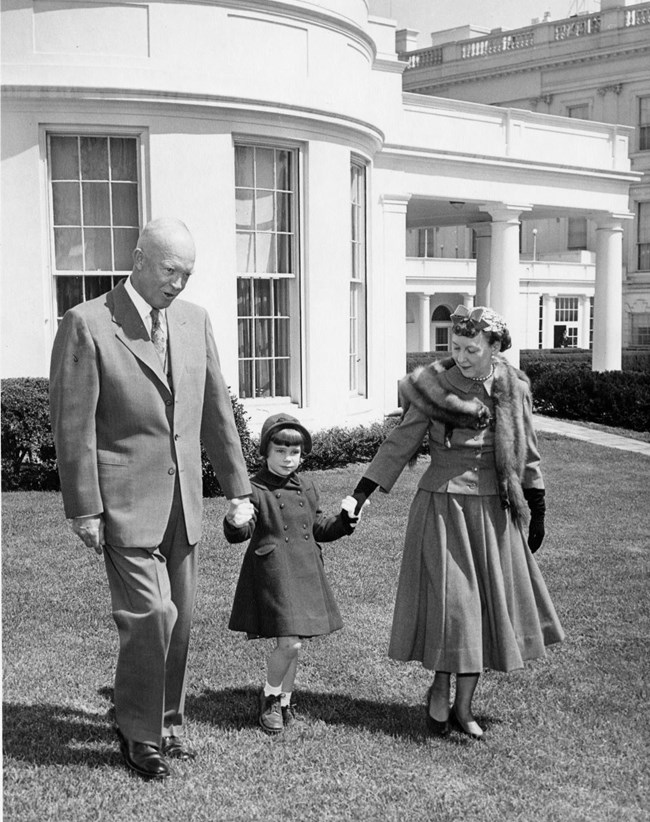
point(484, 379)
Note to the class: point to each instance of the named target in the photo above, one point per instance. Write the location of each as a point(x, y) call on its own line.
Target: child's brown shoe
point(270, 716)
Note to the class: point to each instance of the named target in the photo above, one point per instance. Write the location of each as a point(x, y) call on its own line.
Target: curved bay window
point(95, 213)
point(267, 282)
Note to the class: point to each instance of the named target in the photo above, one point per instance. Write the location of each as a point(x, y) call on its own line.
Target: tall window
point(640, 328)
point(565, 331)
point(267, 283)
point(643, 243)
point(95, 213)
point(644, 124)
point(357, 357)
point(577, 233)
point(441, 322)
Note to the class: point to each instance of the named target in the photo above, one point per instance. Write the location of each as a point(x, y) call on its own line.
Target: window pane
point(282, 378)
point(95, 203)
point(265, 253)
point(126, 240)
point(69, 292)
point(282, 338)
point(264, 176)
point(281, 297)
point(124, 162)
point(244, 201)
point(284, 202)
point(96, 286)
point(245, 253)
point(66, 204)
point(263, 387)
point(68, 249)
point(264, 203)
point(245, 338)
point(283, 170)
point(244, 166)
point(245, 379)
point(244, 304)
point(285, 261)
point(64, 163)
point(125, 204)
point(263, 340)
point(94, 158)
point(262, 298)
point(97, 251)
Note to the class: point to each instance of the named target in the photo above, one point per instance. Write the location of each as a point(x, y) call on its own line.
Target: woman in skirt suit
point(470, 594)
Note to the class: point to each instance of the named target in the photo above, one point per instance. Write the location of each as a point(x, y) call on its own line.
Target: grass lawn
point(566, 737)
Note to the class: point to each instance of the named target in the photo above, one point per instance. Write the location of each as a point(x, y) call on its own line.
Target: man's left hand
point(240, 511)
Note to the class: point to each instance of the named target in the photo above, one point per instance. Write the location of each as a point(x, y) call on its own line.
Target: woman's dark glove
point(364, 489)
point(536, 499)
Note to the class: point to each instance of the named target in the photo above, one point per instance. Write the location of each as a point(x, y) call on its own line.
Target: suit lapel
point(132, 333)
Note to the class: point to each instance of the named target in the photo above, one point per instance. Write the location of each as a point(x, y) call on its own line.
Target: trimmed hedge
point(29, 458)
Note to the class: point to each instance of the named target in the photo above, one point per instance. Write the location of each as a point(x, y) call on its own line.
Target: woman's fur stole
point(425, 389)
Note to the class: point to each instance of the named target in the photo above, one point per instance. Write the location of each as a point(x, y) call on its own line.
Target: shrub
point(28, 456)
point(211, 486)
point(575, 392)
point(337, 447)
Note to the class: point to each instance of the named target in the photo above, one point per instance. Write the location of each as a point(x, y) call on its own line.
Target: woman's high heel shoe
point(437, 727)
point(455, 721)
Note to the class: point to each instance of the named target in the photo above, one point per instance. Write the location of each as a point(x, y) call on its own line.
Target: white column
point(583, 322)
point(424, 324)
point(548, 320)
point(504, 269)
point(608, 298)
point(483, 232)
point(387, 340)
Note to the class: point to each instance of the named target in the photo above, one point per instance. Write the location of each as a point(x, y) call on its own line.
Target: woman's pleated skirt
point(470, 594)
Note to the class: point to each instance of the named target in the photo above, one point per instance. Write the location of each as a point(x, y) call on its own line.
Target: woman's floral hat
point(480, 318)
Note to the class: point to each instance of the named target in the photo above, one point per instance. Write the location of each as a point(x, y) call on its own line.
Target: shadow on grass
point(236, 708)
point(58, 735)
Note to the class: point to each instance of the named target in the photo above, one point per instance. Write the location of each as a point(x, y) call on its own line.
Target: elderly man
point(135, 385)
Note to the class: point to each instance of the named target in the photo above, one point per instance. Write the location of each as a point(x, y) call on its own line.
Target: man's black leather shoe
point(173, 747)
point(144, 759)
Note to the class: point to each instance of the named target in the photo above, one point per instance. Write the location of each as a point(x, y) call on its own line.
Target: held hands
point(348, 508)
point(90, 531)
point(240, 511)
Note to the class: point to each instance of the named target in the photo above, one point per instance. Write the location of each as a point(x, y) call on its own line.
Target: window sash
point(267, 270)
point(357, 354)
point(94, 212)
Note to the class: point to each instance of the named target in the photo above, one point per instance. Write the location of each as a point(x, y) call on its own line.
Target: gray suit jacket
point(123, 436)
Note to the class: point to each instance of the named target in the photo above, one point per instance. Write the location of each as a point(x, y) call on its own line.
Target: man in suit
point(135, 385)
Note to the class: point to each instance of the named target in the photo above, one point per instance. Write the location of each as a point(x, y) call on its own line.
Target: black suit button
point(171, 471)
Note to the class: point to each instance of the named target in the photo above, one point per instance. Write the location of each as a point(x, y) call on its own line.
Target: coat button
point(281, 505)
point(301, 504)
point(171, 471)
point(286, 539)
point(299, 493)
point(286, 527)
point(306, 536)
point(177, 436)
point(168, 402)
point(304, 526)
point(278, 496)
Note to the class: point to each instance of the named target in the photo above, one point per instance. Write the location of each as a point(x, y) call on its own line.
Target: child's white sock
point(272, 690)
point(285, 699)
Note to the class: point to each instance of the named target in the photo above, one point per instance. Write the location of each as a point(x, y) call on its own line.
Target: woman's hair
point(466, 323)
point(288, 436)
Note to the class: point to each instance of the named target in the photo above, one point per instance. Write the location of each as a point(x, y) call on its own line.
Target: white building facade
point(592, 66)
point(280, 134)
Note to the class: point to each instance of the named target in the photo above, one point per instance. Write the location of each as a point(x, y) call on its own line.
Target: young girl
point(282, 590)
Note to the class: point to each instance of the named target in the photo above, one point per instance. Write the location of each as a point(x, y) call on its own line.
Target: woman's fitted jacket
point(480, 443)
point(282, 589)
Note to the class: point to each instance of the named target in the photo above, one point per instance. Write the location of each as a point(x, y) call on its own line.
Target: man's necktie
point(158, 336)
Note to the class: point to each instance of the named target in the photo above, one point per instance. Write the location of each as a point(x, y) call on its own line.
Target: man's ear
point(138, 257)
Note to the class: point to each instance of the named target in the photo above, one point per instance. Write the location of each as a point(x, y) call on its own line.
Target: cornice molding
point(242, 105)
